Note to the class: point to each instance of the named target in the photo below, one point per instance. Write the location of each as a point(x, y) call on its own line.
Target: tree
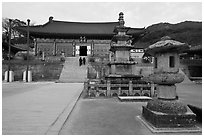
point(16, 37)
point(14, 23)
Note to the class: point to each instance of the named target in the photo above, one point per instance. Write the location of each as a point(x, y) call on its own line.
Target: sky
point(136, 14)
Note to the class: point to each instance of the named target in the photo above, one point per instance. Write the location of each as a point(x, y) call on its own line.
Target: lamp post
point(27, 50)
point(9, 44)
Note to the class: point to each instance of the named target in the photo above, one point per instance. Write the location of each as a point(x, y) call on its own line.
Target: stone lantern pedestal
point(166, 111)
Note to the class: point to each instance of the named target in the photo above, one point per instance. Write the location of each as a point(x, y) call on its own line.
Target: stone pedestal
point(164, 120)
point(11, 76)
point(29, 76)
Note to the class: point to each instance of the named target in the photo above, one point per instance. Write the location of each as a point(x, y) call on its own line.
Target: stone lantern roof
point(166, 45)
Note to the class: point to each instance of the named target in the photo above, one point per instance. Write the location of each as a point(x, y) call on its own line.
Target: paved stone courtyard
point(112, 117)
point(39, 108)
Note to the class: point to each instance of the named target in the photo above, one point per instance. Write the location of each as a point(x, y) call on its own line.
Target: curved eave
point(38, 32)
point(70, 36)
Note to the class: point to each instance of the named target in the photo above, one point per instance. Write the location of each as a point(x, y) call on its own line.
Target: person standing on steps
point(80, 61)
point(84, 61)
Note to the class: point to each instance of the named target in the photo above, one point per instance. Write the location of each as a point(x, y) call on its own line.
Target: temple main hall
point(73, 39)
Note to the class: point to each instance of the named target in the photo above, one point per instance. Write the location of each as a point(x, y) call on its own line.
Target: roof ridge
point(85, 22)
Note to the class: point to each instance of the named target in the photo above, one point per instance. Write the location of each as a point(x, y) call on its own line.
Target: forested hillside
point(188, 32)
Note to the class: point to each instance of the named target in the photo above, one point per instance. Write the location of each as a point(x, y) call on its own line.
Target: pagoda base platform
point(164, 120)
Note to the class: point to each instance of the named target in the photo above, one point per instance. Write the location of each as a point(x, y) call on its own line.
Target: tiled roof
point(55, 28)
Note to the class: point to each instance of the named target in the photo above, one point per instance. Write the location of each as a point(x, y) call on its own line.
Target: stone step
point(70, 81)
point(134, 98)
point(72, 72)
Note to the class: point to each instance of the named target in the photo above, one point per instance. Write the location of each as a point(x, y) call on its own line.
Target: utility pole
point(27, 50)
point(9, 44)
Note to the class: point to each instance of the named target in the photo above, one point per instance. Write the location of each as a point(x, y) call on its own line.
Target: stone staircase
point(72, 72)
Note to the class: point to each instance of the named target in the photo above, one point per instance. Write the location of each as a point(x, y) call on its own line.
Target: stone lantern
point(166, 110)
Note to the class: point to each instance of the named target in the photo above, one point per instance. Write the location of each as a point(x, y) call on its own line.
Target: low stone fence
point(41, 71)
point(111, 90)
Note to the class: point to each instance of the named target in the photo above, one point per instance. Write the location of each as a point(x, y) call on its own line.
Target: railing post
point(130, 88)
point(108, 88)
point(141, 88)
point(119, 89)
point(97, 91)
point(152, 90)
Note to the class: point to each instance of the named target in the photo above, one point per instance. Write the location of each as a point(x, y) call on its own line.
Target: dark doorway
point(83, 51)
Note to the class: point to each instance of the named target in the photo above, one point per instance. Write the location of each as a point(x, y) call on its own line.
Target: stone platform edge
point(58, 124)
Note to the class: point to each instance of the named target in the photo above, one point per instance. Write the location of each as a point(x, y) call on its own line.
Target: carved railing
point(110, 90)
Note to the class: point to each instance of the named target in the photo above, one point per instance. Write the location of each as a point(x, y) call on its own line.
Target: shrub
point(91, 59)
point(62, 59)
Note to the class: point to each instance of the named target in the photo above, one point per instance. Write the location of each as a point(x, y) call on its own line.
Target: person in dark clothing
point(84, 61)
point(80, 61)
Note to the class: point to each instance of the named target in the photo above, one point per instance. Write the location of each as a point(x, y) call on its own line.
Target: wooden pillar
point(92, 47)
point(74, 48)
point(54, 45)
point(36, 47)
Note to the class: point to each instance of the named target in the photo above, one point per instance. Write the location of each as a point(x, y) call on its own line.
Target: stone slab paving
point(105, 117)
point(190, 93)
point(37, 108)
point(42, 108)
point(111, 117)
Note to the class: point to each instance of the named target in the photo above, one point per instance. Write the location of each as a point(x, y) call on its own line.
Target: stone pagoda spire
point(120, 63)
point(121, 19)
